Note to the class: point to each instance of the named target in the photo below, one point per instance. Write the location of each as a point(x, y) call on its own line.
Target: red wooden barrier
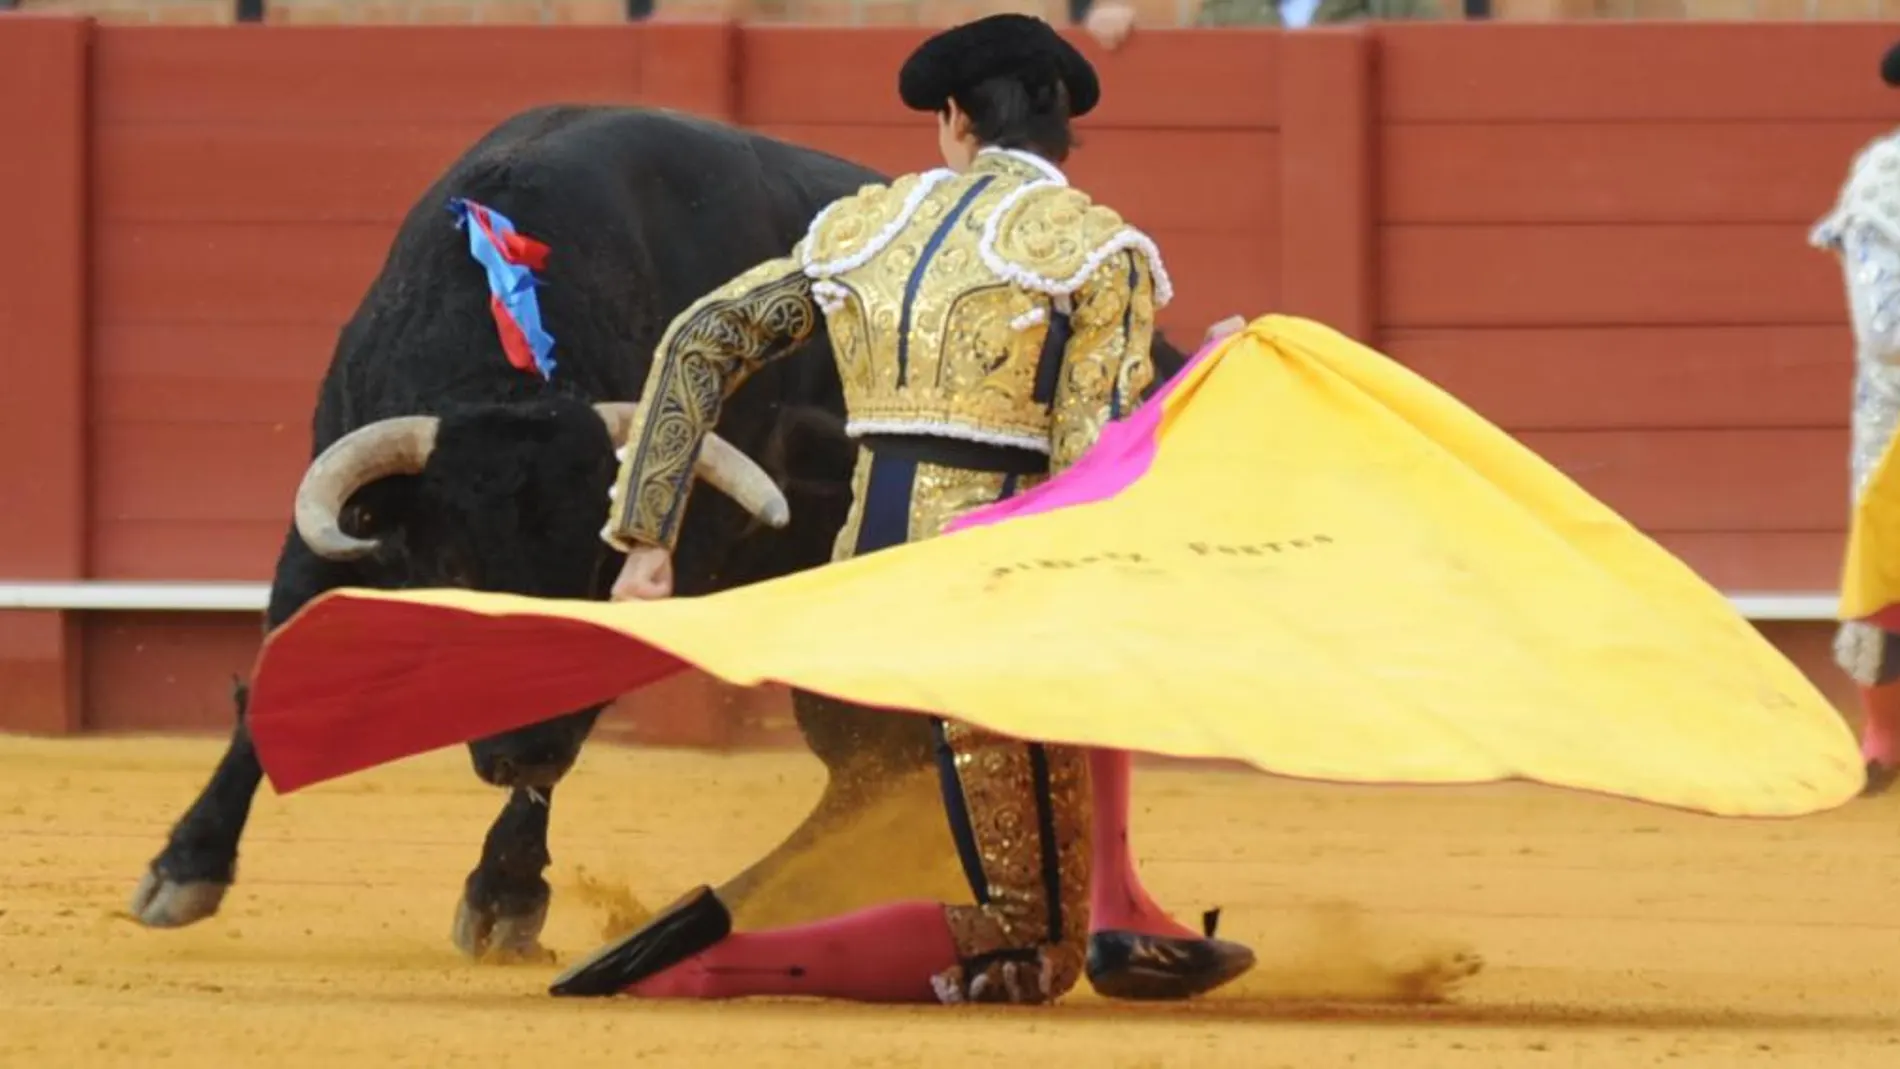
point(1592, 233)
point(43, 320)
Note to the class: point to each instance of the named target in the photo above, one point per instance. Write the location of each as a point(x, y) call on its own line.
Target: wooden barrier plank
point(1328, 181)
point(150, 672)
point(1234, 186)
point(143, 466)
point(690, 66)
point(1215, 276)
point(288, 273)
point(1580, 378)
point(1168, 79)
point(270, 75)
point(1797, 561)
point(43, 298)
point(227, 405)
point(1622, 172)
point(284, 173)
point(1568, 72)
point(173, 550)
point(347, 162)
point(209, 372)
point(1606, 275)
point(43, 323)
point(42, 658)
point(1715, 480)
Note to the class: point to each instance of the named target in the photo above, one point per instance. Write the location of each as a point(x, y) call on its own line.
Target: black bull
point(501, 483)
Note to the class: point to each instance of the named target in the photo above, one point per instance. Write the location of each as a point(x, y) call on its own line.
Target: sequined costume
point(997, 307)
point(986, 325)
point(1864, 231)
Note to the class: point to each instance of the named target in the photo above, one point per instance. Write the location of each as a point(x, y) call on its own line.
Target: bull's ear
point(380, 508)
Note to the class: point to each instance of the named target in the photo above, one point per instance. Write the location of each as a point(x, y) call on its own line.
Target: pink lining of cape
point(1120, 456)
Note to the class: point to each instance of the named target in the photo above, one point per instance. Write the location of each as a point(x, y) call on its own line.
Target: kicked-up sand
point(1612, 934)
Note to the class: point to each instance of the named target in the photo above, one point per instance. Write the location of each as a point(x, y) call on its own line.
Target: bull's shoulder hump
point(856, 226)
point(1051, 237)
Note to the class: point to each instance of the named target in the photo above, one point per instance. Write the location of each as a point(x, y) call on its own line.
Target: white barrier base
point(103, 596)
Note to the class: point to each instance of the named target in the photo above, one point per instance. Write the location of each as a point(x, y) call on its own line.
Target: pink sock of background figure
point(1880, 724)
point(882, 954)
point(1116, 897)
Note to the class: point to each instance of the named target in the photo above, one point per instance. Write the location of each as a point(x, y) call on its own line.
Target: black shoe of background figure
point(1879, 778)
point(1129, 965)
point(688, 926)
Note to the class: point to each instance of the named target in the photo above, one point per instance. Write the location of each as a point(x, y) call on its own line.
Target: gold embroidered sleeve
point(1107, 366)
point(707, 352)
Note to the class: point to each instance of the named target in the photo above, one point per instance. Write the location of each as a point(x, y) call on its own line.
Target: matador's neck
point(1017, 163)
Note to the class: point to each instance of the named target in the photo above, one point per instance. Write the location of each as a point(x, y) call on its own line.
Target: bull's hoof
point(487, 934)
point(162, 902)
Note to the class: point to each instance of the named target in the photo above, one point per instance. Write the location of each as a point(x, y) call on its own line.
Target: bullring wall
point(1593, 233)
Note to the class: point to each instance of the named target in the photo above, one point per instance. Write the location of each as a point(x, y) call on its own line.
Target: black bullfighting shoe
point(688, 926)
point(1129, 965)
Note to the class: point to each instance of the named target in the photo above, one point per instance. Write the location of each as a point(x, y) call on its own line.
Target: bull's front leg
point(187, 881)
point(505, 900)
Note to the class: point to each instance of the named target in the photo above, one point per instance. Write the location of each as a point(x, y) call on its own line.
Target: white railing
point(105, 596)
point(1785, 607)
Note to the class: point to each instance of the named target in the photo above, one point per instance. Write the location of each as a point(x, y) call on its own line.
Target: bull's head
point(405, 445)
point(507, 498)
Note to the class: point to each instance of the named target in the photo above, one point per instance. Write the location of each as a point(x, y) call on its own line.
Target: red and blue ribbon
point(510, 259)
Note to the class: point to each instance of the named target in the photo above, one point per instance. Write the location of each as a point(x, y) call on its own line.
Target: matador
point(987, 318)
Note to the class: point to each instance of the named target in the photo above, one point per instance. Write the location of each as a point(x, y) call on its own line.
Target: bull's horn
point(398, 446)
point(723, 465)
point(739, 477)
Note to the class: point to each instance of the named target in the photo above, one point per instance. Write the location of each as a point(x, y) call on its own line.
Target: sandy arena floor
point(1614, 934)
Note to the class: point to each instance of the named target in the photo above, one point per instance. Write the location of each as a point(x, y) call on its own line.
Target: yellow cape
point(1870, 574)
point(1333, 570)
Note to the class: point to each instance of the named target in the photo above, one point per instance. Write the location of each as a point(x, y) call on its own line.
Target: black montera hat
point(1000, 46)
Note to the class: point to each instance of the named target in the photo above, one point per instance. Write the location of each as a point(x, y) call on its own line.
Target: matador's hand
point(1230, 325)
point(647, 575)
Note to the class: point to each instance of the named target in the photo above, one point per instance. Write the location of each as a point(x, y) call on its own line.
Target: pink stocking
point(1116, 897)
point(1880, 724)
point(882, 954)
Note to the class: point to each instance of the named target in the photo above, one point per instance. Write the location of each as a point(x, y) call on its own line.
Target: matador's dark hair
point(1007, 114)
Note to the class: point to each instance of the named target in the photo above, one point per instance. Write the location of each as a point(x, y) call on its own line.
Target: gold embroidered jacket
point(998, 305)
